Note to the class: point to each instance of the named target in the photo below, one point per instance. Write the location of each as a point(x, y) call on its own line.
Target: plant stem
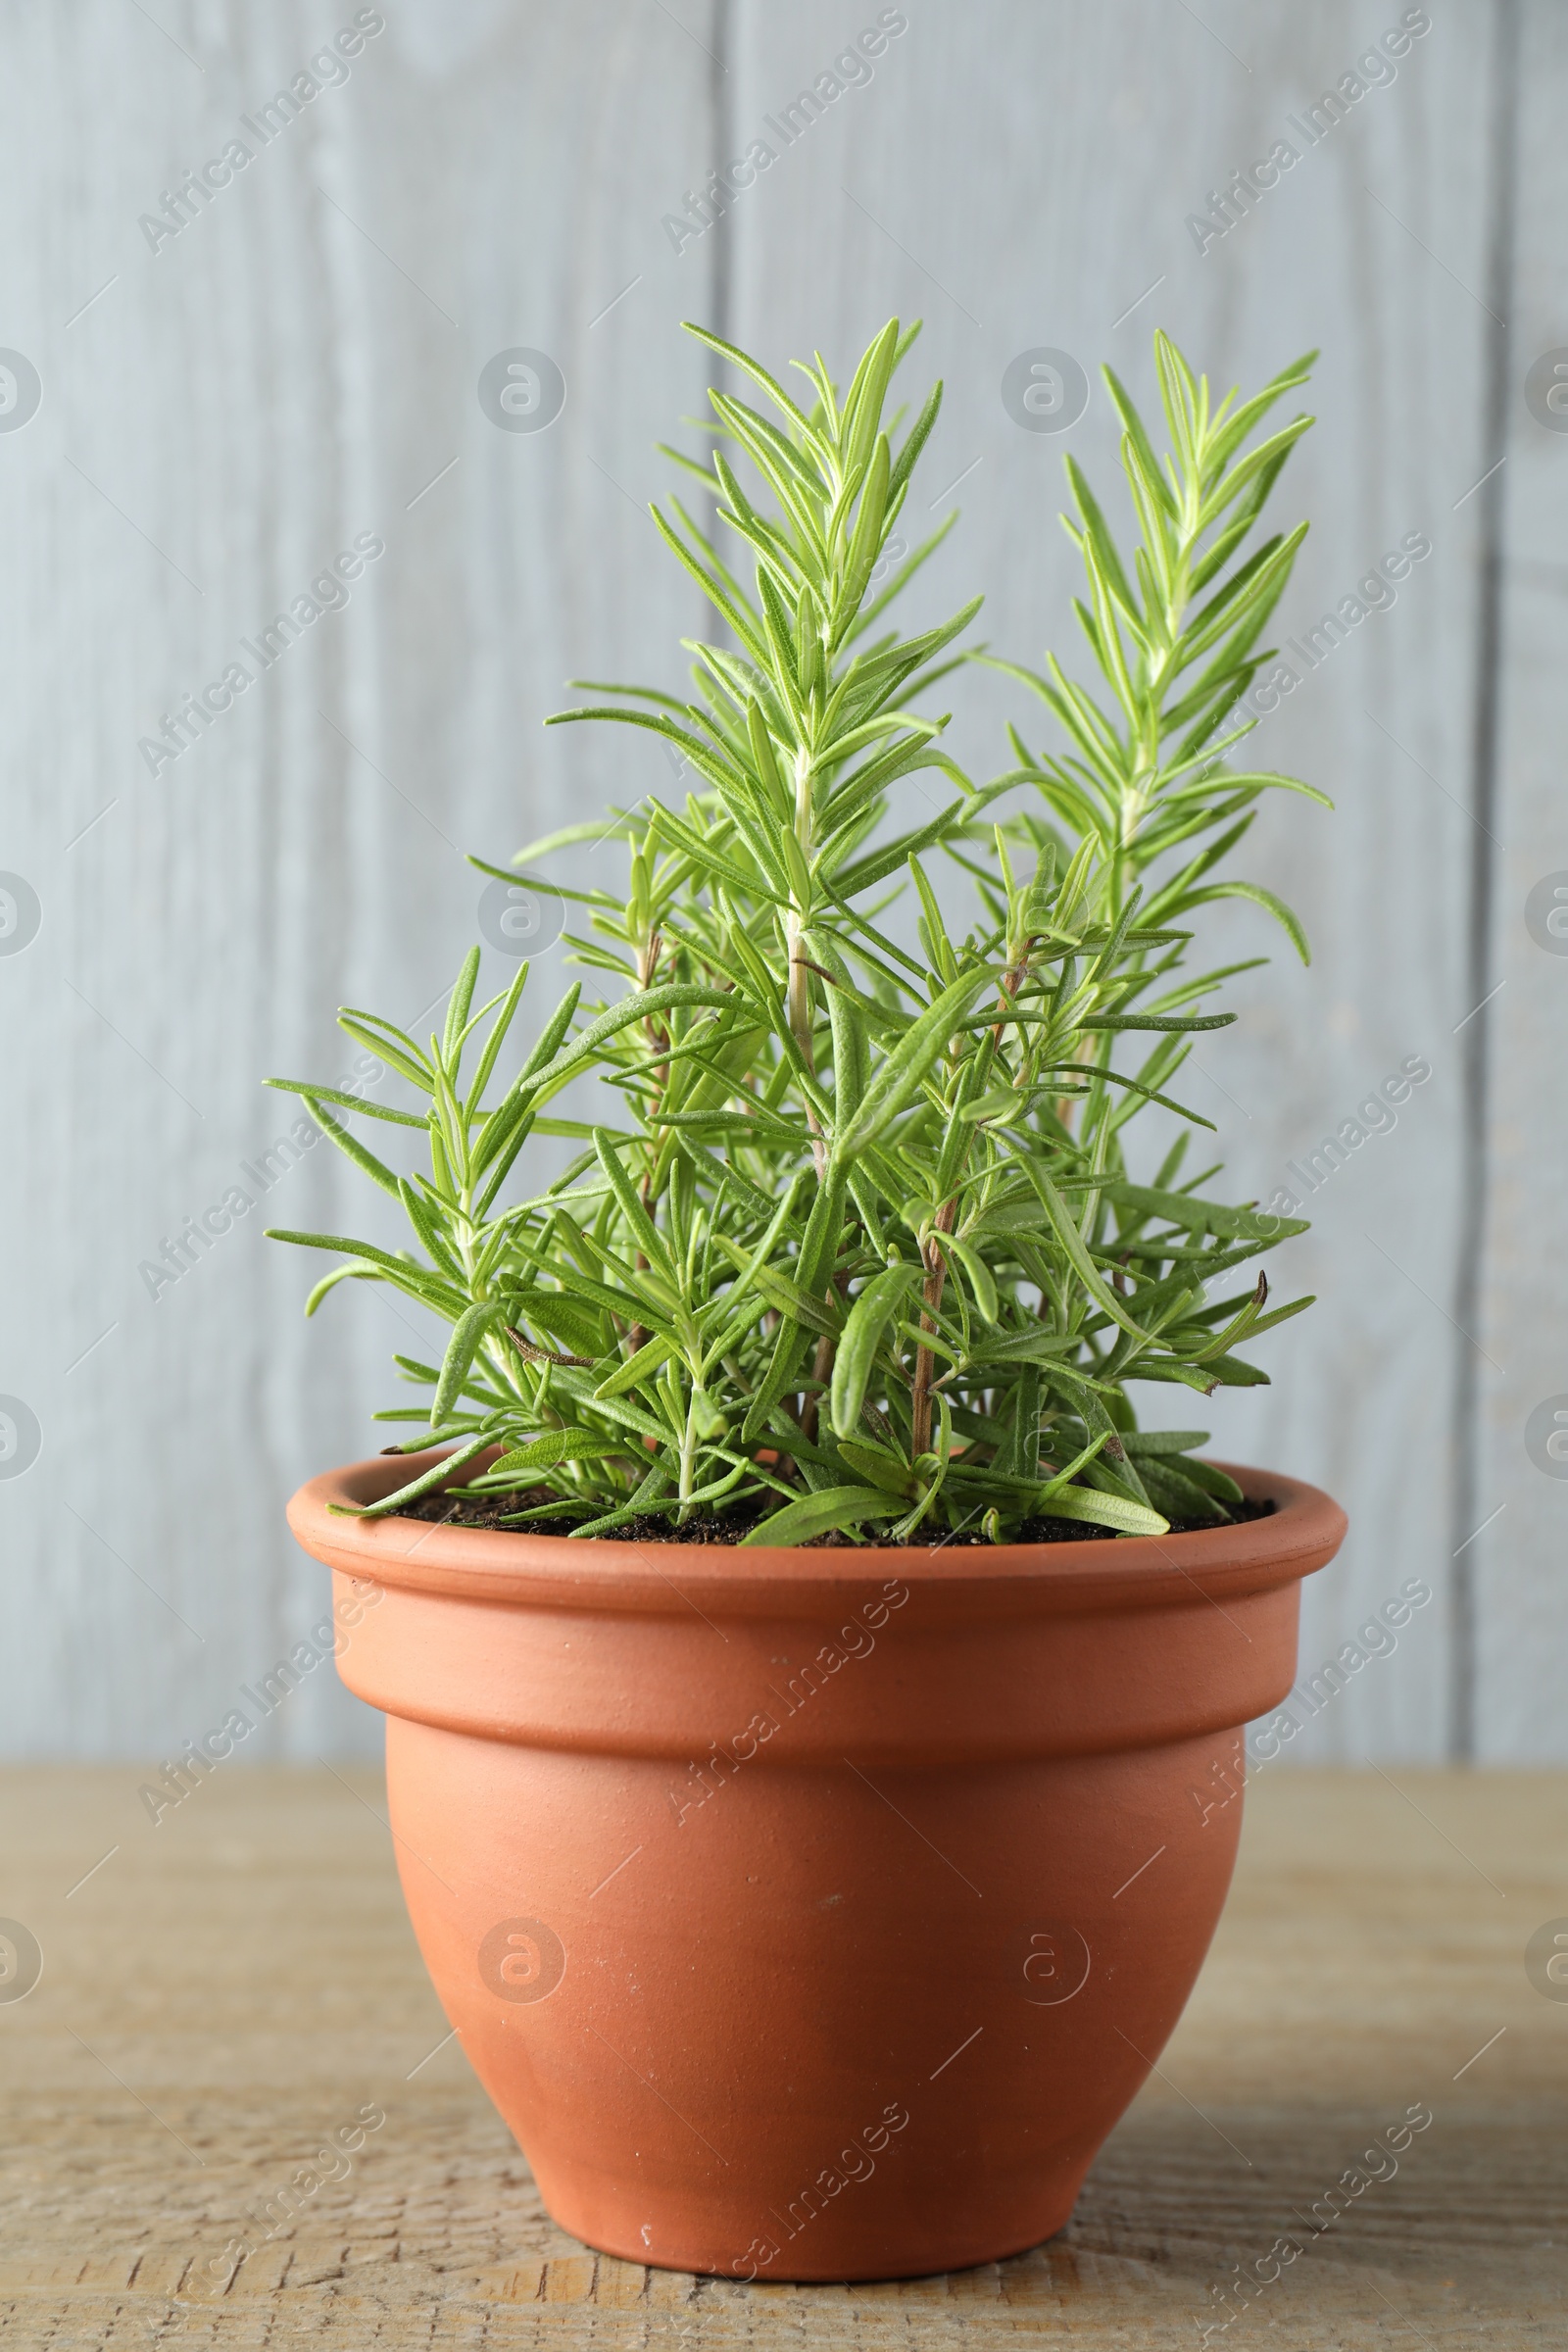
point(658, 1038)
point(936, 1274)
point(688, 1450)
point(821, 1374)
point(799, 984)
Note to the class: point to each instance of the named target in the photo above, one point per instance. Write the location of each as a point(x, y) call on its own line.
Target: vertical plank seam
point(720, 99)
point(1476, 1065)
point(720, 290)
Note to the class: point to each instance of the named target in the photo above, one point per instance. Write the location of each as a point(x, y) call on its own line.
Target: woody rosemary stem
point(658, 1038)
point(821, 1374)
point(799, 1000)
point(936, 1274)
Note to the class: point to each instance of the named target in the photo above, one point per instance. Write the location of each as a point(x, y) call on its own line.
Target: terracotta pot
point(814, 1914)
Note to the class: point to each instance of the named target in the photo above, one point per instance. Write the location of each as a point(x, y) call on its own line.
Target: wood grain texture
point(300, 364)
point(229, 1987)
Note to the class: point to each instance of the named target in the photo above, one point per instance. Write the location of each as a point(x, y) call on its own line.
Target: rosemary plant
point(857, 1241)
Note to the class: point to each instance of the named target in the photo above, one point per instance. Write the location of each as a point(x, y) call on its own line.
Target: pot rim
point(520, 1567)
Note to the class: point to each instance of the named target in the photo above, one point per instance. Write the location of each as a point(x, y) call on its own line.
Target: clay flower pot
point(814, 1914)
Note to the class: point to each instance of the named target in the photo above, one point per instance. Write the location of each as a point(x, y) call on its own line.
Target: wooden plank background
point(299, 366)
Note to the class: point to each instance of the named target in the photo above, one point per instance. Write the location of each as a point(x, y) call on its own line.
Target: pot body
point(813, 1914)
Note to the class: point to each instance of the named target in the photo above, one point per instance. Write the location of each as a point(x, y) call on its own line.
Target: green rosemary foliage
point(857, 1241)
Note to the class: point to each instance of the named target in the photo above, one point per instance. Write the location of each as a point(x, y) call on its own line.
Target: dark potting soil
point(492, 1511)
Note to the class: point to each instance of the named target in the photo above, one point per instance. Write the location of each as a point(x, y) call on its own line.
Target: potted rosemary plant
point(812, 1679)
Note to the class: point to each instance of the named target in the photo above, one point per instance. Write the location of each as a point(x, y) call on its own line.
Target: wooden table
point(228, 1987)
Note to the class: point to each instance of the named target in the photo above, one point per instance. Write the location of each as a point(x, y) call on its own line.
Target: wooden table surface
point(226, 1989)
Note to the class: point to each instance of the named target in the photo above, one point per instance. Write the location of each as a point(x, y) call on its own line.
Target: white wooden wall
point(300, 364)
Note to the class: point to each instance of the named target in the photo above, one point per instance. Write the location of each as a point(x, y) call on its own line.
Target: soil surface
point(494, 1510)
